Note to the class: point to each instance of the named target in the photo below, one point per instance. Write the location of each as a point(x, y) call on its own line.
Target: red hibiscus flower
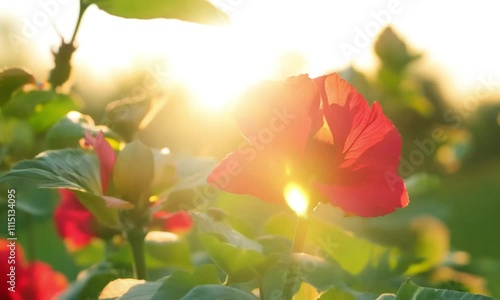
point(78, 226)
point(73, 221)
point(34, 280)
point(322, 135)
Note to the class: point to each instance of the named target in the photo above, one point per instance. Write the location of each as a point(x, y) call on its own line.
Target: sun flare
point(296, 198)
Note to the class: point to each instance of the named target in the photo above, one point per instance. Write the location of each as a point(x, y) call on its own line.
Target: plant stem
point(261, 289)
point(299, 241)
point(83, 7)
point(135, 238)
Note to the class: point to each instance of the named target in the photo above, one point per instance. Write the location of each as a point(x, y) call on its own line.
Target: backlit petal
point(105, 154)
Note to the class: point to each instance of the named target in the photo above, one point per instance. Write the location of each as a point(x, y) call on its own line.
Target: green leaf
point(198, 11)
point(192, 174)
point(273, 281)
point(52, 112)
point(207, 224)
point(409, 290)
point(165, 249)
point(24, 104)
point(239, 257)
point(18, 137)
point(392, 50)
point(128, 288)
point(128, 115)
point(181, 282)
point(68, 131)
point(387, 297)
point(239, 264)
point(346, 294)
point(39, 202)
point(141, 291)
point(69, 168)
point(337, 294)
point(432, 244)
point(97, 206)
point(72, 169)
point(11, 80)
point(354, 254)
point(318, 272)
point(90, 283)
point(210, 292)
point(421, 183)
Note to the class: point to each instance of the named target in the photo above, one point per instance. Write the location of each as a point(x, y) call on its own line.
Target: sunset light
point(249, 149)
point(296, 199)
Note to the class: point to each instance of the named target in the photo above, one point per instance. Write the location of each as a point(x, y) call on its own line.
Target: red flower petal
point(73, 221)
point(35, 281)
point(369, 198)
point(253, 172)
point(41, 282)
point(105, 154)
point(5, 265)
point(369, 147)
point(347, 160)
point(174, 222)
point(277, 126)
point(346, 111)
point(282, 115)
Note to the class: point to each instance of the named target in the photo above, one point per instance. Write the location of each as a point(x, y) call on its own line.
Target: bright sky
point(459, 38)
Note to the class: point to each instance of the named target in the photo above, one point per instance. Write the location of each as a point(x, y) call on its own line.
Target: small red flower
point(105, 154)
point(78, 226)
point(36, 280)
point(173, 222)
point(73, 221)
point(322, 134)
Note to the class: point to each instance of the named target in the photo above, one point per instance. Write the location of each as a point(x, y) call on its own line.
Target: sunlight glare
point(74, 116)
point(221, 72)
point(296, 199)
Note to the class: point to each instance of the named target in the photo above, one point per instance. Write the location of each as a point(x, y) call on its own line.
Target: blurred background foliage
point(450, 160)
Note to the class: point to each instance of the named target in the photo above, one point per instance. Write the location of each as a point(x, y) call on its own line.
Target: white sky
point(460, 39)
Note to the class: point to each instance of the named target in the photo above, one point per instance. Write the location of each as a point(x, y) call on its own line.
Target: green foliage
point(37, 202)
point(164, 249)
point(190, 189)
point(181, 282)
point(32, 104)
point(239, 257)
point(68, 131)
point(345, 294)
point(409, 290)
point(199, 11)
point(393, 51)
point(129, 289)
point(66, 169)
point(11, 80)
point(133, 172)
point(353, 253)
point(320, 273)
point(91, 282)
point(50, 113)
point(209, 292)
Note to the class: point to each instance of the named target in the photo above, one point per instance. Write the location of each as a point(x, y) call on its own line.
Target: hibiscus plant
point(150, 223)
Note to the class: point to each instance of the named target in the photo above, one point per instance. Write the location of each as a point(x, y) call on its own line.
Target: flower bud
point(133, 171)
